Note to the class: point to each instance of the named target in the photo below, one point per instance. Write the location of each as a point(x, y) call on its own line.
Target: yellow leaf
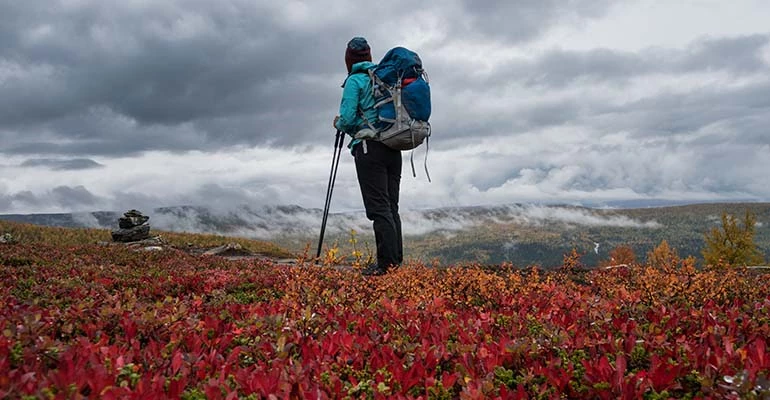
point(281, 344)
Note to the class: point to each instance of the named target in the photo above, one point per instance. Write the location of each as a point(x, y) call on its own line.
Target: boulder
point(134, 234)
point(7, 238)
point(230, 249)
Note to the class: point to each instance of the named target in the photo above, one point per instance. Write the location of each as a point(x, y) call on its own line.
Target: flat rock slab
point(132, 234)
point(228, 250)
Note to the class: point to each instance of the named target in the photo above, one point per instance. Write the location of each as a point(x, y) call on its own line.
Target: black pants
point(379, 176)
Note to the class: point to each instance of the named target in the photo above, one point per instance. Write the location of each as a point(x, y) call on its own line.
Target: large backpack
point(402, 100)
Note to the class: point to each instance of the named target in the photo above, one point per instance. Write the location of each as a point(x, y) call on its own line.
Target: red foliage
point(111, 323)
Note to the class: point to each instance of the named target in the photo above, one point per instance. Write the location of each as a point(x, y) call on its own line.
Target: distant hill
point(523, 234)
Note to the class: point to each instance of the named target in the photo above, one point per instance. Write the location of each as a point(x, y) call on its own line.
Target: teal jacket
point(357, 95)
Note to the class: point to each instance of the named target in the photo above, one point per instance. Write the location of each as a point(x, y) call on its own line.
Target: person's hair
point(357, 50)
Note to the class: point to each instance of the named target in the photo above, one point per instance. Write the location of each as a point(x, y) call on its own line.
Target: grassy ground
point(30, 234)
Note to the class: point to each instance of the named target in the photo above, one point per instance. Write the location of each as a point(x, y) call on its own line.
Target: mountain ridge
point(523, 234)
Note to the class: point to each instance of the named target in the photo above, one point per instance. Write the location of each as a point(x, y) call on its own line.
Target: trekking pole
point(339, 140)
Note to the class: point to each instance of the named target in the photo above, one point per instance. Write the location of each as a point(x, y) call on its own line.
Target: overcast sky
point(111, 105)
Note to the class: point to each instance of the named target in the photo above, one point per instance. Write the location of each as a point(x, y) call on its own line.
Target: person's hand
point(334, 124)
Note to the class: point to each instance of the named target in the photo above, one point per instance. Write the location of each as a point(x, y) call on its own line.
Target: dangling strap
point(411, 157)
point(427, 147)
point(411, 160)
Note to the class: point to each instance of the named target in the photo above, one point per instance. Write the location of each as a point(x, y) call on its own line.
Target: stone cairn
point(133, 227)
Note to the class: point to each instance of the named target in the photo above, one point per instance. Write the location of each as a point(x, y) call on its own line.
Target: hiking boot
point(373, 270)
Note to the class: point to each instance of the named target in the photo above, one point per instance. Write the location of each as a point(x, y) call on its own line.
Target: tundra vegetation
point(81, 319)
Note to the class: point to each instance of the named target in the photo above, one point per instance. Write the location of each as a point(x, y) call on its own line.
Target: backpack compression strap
point(427, 148)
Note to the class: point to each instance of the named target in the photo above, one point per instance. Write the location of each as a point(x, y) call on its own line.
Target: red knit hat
point(357, 50)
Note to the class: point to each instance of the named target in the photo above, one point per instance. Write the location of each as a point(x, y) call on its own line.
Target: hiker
point(378, 166)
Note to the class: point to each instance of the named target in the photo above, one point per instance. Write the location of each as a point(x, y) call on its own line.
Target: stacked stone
point(7, 238)
point(133, 227)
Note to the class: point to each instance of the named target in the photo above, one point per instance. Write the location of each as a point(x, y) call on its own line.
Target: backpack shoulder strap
point(366, 72)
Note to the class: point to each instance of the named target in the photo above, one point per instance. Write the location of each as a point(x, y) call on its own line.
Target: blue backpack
point(402, 100)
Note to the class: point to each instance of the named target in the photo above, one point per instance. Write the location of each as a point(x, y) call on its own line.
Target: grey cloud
point(729, 167)
point(123, 78)
point(81, 199)
point(520, 21)
point(549, 113)
point(752, 128)
point(669, 113)
point(560, 84)
point(737, 113)
point(218, 197)
point(737, 54)
point(274, 222)
point(102, 131)
point(58, 198)
point(713, 115)
point(466, 122)
point(142, 201)
point(89, 78)
point(559, 68)
point(86, 219)
point(70, 197)
point(61, 165)
point(214, 196)
point(240, 64)
point(24, 197)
